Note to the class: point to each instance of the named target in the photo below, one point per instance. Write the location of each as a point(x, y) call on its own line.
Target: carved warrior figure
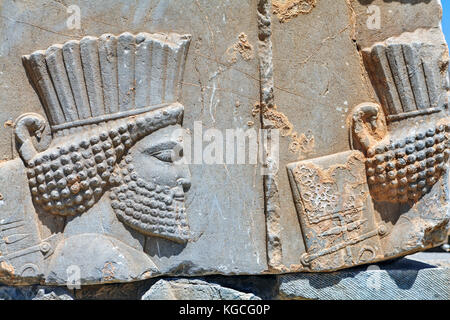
point(104, 97)
point(410, 78)
point(388, 196)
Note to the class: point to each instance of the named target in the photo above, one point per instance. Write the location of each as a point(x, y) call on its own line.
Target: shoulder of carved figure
point(101, 256)
point(13, 171)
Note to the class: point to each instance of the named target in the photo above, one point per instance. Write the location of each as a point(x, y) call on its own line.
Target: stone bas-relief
point(333, 199)
point(399, 201)
point(112, 110)
point(103, 111)
point(94, 189)
point(71, 176)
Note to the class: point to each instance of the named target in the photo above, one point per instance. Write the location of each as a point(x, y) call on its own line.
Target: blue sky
point(446, 19)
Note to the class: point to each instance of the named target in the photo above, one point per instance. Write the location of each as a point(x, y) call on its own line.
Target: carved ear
point(368, 125)
point(33, 135)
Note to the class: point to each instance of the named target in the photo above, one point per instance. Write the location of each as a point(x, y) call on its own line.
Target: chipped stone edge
point(271, 194)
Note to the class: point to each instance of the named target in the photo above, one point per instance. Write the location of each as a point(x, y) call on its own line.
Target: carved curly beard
point(148, 208)
point(406, 169)
point(71, 177)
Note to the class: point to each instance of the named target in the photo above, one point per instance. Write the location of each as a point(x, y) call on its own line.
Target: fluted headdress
point(409, 73)
point(127, 84)
point(100, 79)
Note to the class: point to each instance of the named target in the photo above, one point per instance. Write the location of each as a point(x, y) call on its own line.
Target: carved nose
point(184, 177)
point(185, 183)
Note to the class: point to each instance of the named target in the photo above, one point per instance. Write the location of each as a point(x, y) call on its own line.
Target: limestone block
point(406, 279)
point(187, 289)
point(163, 138)
point(378, 90)
point(164, 69)
point(34, 293)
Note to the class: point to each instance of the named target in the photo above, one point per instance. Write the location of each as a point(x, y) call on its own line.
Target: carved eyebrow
point(161, 146)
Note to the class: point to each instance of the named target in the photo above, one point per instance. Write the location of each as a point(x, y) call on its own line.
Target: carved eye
point(166, 155)
point(166, 151)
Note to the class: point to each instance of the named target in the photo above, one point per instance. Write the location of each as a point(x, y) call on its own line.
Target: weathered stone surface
point(404, 279)
point(399, 279)
point(34, 293)
point(395, 17)
point(219, 87)
point(264, 287)
point(42, 295)
point(351, 167)
point(368, 88)
point(439, 259)
point(186, 289)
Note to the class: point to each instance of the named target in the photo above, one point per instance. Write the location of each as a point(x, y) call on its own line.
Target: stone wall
point(257, 149)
